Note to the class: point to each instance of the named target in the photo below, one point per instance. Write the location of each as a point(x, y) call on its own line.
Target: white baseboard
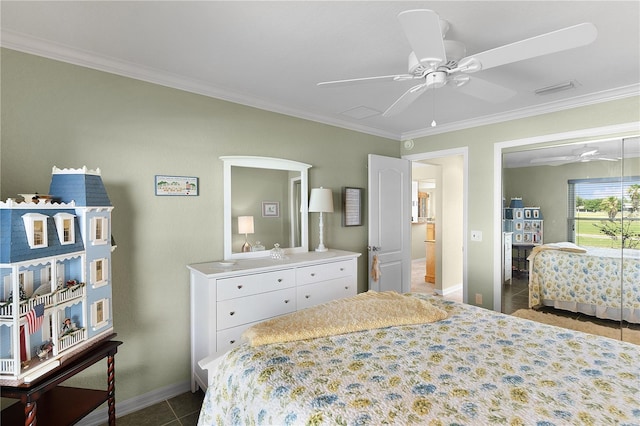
point(100, 416)
point(449, 290)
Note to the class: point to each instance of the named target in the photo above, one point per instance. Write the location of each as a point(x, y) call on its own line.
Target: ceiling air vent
point(571, 84)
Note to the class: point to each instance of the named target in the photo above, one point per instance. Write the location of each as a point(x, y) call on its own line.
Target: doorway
point(442, 175)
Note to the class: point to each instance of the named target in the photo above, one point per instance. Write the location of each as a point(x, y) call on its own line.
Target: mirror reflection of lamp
point(321, 201)
point(245, 226)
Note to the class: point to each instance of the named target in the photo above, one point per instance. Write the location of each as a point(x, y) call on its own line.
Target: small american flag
point(35, 317)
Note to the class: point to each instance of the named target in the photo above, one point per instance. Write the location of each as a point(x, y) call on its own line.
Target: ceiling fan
point(581, 155)
point(437, 62)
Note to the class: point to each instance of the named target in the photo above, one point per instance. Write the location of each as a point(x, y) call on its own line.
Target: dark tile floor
point(515, 295)
point(181, 410)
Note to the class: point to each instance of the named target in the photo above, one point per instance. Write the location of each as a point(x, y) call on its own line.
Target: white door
point(389, 210)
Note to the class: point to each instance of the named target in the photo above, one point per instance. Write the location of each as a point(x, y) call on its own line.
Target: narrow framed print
point(176, 185)
point(270, 209)
point(352, 206)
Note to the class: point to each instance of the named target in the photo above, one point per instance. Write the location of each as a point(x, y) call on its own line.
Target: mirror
point(270, 194)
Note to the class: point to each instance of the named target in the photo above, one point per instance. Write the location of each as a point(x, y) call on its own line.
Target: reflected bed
point(596, 282)
point(474, 367)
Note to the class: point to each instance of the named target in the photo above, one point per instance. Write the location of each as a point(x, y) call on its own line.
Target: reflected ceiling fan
point(437, 62)
point(581, 155)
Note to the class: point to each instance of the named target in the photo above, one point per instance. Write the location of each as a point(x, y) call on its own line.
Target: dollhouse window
point(99, 272)
point(99, 230)
point(65, 227)
point(100, 314)
point(35, 225)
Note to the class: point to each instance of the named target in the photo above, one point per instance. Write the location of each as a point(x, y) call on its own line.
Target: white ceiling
point(271, 54)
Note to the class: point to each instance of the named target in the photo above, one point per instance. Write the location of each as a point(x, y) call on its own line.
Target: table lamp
point(245, 226)
point(321, 201)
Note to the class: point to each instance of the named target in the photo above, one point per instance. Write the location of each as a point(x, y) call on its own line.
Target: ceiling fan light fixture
point(567, 85)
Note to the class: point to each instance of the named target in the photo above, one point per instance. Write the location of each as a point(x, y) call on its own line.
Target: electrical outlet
point(478, 299)
point(476, 235)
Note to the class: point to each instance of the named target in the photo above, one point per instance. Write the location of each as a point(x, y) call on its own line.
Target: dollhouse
point(55, 274)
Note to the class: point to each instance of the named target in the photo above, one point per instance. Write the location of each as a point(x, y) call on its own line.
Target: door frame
point(561, 137)
point(464, 152)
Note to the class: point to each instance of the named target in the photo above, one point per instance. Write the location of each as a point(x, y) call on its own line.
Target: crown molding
point(47, 49)
point(565, 104)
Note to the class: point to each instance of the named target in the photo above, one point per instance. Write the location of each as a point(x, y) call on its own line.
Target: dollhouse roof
point(83, 188)
point(14, 246)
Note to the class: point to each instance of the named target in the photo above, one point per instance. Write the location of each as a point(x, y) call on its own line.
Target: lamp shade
point(321, 200)
point(245, 224)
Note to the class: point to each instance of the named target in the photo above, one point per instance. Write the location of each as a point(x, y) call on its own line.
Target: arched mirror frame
point(272, 164)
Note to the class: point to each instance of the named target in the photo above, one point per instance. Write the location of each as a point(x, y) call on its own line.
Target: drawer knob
point(240, 286)
point(346, 287)
point(342, 269)
point(232, 313)
point(313, 274)
point(307, 296)
point(232, 341)
point(279, 280)
point(286, 300)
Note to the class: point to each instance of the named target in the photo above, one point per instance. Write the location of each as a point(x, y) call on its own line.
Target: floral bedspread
point(597, 283)
point(475, 367)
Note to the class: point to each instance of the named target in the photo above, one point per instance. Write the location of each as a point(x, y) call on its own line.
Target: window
point(35, 225)
point(65, 227)
point(99, 230)
point(100, 314)
point(99, 272)
point(604, 212)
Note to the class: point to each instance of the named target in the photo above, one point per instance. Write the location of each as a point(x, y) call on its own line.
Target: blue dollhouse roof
point(85, 189)
point(14, 246)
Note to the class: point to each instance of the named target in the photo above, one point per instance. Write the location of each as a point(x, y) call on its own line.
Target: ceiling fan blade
point(405, 100)
point(485, 90)
point(561, 159)
point(365, 80)
point(422, 29)
point(544, 44)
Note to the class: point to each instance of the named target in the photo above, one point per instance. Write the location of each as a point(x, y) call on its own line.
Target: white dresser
point(226, 300)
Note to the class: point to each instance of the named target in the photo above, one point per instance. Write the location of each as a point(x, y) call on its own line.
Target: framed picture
point(352, 206)
point(270, 209)
point(176, 185)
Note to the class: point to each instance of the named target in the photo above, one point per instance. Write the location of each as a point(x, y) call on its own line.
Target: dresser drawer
point(246, 285)
point(235, 312)
point(327, 271)
point(315, 294)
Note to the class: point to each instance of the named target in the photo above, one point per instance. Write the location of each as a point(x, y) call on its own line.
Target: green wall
point(480, 142)
point(68, 116)
point(550, 188)
point(58, 114)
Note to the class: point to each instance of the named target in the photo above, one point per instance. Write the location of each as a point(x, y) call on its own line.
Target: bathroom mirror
point(270, 196)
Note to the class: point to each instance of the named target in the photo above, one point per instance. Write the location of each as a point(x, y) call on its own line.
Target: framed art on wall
point(352, 206)
point(176, 185)
point(270, 209)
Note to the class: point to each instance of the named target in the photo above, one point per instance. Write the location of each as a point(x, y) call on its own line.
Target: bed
point(474, 367)
point(595, 282)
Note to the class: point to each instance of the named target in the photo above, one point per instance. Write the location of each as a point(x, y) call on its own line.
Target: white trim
point(464, 151)
point(131, 405)
point(106, 315)
point(29, 220)
point(59, 219)
point(95, 283)
point(35, 46)
point(498, 147)
point(104, 230)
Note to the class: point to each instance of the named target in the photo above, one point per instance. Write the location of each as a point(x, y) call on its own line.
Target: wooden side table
point(45, 403)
